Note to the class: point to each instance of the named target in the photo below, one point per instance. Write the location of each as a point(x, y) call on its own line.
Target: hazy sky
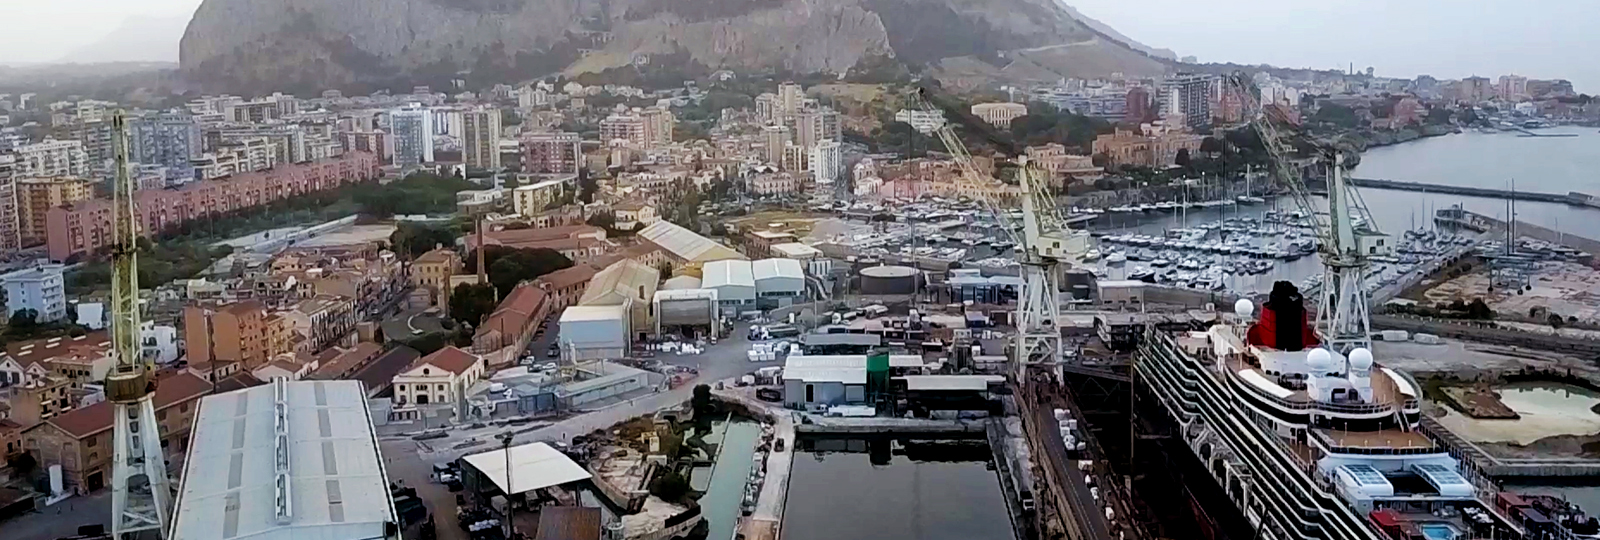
point(1401, 38)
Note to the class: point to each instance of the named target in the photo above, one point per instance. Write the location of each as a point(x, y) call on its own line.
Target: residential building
point(413, 132)
point(244, 333)
point(566, 286)
point(85, 226)
point(791, 97)
point(629, 128)
point(322, 322)
point(999, 114)
point(79, 360)
point(40, 289)
point(170, 139)
point(634, 215)
point(776, 138)
point(376, 142)
point(1190, 96)
point(1475, 89)
point(52, 157)
point(438, 378)
point(10, 211)
point(827, 161)
point(1408, 111)
point(814, 125)
point(35, 198)
point(1512, 88)
point(480, 140)
point(97, 146)
point(774, 183)
point(552, 153)
point(1139, 107)
point(534, 198)
point(795, 159)
point(432, 272)
point(658, 124)
point(1125, 147)
point(81, 442)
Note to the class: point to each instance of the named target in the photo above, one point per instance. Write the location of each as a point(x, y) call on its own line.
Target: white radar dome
point(1360, 359)
point(1244, 308)
point(1319, 360)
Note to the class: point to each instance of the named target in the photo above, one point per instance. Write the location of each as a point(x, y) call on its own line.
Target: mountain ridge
point(253, 46)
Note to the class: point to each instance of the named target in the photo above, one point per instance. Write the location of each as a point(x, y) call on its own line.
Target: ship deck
point(1384, 388)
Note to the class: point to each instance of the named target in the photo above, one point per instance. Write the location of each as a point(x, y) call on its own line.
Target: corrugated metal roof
point(687, 244)
point(844, 375)
point(727, 274)
point(624, 279)
point(593, 313)
point(795, 250)
point(335, 481)
point(777, 268)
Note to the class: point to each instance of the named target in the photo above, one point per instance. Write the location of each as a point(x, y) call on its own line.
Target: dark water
point(894, 489)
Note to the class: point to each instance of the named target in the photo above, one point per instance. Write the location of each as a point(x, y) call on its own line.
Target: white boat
point(1116, 258)
point(1092, 255)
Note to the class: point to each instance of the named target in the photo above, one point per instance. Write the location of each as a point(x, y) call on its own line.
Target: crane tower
point(141, 496)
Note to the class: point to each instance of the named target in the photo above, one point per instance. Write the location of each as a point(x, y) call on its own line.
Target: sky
point(1400, 38)
point(1448, 39)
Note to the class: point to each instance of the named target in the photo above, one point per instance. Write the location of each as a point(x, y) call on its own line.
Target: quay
point(1486, 464)
point(1474, 221)
point(1573, 198)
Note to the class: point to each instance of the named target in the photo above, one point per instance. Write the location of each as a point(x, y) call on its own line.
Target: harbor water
point(724, 481)
point(894, 489)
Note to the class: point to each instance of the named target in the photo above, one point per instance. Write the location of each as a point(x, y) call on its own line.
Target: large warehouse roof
point(686, 244)
point(624, 279)
point(795, 250)
point(777, 268)
point(593, 313)
point(533, 466)
point(727, 273)
point(288, 460)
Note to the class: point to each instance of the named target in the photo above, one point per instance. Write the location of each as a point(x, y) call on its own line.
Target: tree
point(470, 303)
point(587, 185)
point(413, 239)
point(1335, 114)
point(25, 318)
point(1182, 159)
point(700, 401)
point(1480, 310)
point(509, 266)
point(665, 269)
point(1211, 145)
point(604, 220)
point(1556, 321)
point(669, 487)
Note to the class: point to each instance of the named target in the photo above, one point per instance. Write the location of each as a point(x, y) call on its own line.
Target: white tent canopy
point(533, 466)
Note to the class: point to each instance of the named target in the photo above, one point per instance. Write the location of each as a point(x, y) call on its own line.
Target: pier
point(1573, 198)
point(1478, 222)
point(1496, 467)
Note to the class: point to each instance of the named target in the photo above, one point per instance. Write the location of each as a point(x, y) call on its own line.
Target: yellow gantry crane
point(141, 496)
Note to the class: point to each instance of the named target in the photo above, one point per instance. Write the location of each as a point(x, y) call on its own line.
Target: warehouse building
point(684, 246)
point(594, 332)
point(686, 312)
point(630, 284)
point(734, 282)
point(779, 282)
point(814, 382)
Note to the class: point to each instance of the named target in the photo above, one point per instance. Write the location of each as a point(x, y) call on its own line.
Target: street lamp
point(505, 443)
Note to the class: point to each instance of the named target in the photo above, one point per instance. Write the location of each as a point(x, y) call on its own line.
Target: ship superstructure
point(1306, 442)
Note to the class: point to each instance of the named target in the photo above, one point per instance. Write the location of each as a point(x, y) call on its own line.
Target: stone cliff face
point(250, 46)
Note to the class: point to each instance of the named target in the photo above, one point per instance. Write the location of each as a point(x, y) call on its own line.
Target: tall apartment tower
point(480, 142)
point(10, 237)
point(777, 137)
point(412, 128)
point(1189, 95)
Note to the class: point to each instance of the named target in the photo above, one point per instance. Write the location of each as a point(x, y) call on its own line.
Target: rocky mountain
point(250, 46)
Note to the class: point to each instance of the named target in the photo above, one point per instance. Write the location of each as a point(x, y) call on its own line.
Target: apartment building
point(52, 157)
point(246, 333)
point(552, 153)
point(480, 140)
point(999, 114)
point(628, 128)
point(413, 132)
point(10, 226)
point(85, 226)
point(35, 198)
point(41, 289)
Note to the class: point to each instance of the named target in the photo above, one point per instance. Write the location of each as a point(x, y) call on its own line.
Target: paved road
point(412, 465)
point(60, 520)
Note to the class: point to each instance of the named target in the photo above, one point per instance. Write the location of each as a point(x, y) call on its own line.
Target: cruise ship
point(1307, 443)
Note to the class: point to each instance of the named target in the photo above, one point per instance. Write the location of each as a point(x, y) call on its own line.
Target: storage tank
point(890, 280)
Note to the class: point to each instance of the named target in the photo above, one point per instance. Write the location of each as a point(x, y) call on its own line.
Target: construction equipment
point(1343, 314)
point(141, 496)
point(1045, 244)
